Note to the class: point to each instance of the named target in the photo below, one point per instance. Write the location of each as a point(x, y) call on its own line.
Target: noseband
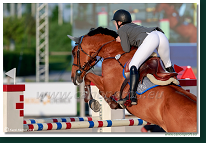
point(87, 66)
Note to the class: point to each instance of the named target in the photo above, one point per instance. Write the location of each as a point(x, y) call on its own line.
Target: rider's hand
point(118, 39)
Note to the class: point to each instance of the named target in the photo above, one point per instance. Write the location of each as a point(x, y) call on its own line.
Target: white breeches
point(154, 40)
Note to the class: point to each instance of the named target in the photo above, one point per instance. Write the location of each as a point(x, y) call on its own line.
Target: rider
point(146, 39)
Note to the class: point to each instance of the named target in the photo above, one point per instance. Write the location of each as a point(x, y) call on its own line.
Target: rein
point(117, 57)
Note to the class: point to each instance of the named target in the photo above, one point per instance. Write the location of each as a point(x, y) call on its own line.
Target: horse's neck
point(113, 49)
point(116, 67)
point(110, 51)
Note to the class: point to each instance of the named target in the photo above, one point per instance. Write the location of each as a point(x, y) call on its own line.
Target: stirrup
point(133, 100)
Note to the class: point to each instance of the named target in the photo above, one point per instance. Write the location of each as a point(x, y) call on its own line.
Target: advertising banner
point(50, 99)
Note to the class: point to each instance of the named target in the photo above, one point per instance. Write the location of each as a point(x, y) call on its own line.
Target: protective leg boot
point(170, 69)
point(134, 80)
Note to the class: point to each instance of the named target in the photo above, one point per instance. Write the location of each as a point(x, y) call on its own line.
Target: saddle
point(153, 69)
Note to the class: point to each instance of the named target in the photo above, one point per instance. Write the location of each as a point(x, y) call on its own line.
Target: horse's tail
point(188, 94)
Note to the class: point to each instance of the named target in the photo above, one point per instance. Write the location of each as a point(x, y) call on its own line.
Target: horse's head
point(85, 52)
point(83, 60)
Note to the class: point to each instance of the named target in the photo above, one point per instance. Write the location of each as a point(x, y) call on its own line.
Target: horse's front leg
point(98, 81)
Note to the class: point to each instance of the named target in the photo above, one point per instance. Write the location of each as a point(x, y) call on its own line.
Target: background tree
point(23, 32)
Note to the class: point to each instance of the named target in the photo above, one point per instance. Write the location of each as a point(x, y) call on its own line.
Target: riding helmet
point(123, 16)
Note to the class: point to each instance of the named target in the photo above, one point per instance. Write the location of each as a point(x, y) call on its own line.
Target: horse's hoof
point(94, 105)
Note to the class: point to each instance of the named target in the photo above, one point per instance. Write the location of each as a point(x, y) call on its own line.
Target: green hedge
point(26, 66)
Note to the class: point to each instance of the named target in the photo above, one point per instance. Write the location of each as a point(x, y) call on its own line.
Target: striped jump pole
point(62, 119)
point(85, 124)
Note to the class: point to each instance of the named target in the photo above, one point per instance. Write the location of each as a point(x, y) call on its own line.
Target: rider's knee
point(133, 70)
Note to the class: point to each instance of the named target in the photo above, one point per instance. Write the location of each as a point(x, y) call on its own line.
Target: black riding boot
point(134, 80)
point(170, 69)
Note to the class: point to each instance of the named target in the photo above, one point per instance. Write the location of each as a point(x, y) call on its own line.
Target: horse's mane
point(101, 30)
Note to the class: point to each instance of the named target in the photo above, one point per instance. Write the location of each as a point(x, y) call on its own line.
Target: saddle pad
point(145, 86)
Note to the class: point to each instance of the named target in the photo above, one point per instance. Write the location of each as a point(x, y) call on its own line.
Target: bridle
point(88, 65)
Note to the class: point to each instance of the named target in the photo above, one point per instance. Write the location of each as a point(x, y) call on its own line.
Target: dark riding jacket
point(133, 35)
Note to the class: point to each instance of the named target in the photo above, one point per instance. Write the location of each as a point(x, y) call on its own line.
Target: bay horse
point(170, 106)
point(188, 31)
